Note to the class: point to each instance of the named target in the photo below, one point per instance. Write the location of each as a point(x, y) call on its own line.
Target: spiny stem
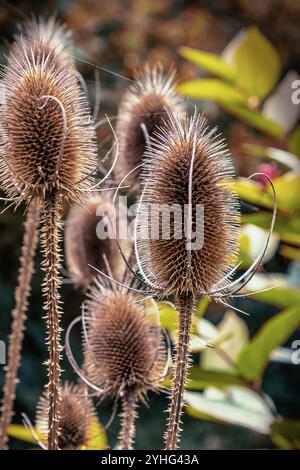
point(185, 305)
point(128, 418)
point(30, 239)
point(52, 283)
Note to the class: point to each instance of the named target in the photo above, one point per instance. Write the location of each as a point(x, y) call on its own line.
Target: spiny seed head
point(144, 103)
point(124, 352)
point(48, 141)
point(50, 33)
point(187, 162)
point(84, 242)
point(76, 416)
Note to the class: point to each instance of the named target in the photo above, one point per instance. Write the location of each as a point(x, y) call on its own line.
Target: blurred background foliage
point(237, 60)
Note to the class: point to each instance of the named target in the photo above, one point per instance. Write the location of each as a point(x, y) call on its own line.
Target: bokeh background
point(120, 36)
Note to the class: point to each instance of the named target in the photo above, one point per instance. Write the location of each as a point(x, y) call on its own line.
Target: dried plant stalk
point(51, 266)
point(128, 419)
point(19, 317)
point(185, 306)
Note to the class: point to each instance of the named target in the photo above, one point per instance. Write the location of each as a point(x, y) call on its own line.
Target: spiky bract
point(76, 416)
point(144, 103)
point(187, 162)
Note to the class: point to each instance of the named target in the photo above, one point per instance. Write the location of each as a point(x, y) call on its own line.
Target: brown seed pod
point(84, 245)
point(187, 162)
point(125, 352)
point(76, 416)
point(144, 103)
point(48, 141)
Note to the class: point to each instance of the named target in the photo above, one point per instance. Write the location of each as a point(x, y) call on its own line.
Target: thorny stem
point(185, 306)
point(30, 239)
point(52, 283)
point(128, 418)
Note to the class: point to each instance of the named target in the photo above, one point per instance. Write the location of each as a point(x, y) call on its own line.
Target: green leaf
point(253, 358)
point(287, 189)
point(200, 379)
point(18, 431)
point(288, 228)
point(212, 89)
point(232, 337)
point(286, 434)
point(211, 62)
point(98, 437)
point(290, 252)
point(237, 405)
point(294, 141)
point(168, 316)
point(287, 159)
point(253, 192)
point(254, 119)
point(257, 62)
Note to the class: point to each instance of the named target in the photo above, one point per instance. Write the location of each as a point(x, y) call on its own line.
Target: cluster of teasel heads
point(49, 157)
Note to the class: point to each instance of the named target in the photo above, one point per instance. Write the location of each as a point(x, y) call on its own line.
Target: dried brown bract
point(144, 104)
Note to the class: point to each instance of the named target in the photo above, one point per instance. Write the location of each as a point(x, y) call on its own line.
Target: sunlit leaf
point(234, 332)
point(211, 62)
point(256, 240)
point(254, 357)
point(98, 437)
point(288, 228)
point(237, 405)
point(286, 434)
point(253, 192)
point(283, 157)
point(254, 119)
point(281, 295)
point(290, 252)
point(200, 379)
point(18, 431)
point(212, 89)
point(168, 315)
point(257, 62)
point(287, 189)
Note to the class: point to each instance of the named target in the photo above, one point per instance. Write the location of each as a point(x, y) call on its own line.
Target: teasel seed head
point(143, 104)
point(187, 164)
point(50, 33)
point(125, 353)
point(85, 249)
point(76, 417)
point(48, 140)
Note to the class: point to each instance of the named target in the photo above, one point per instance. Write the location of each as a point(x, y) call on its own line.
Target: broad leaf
point(211, 62)
point(294, 141)
point(212, 89)
point(287, 189)
point(288, 228)
point(253, 358)
point(19, 431)
point(286, 434)
point(237, 405)
point(257, 62)
point(97, 436)
point(200, 379)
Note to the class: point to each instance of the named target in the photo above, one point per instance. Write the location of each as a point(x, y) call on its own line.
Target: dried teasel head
point(187, 167)
point(50, 33)
point(90, 240)
point(125, 353)
point(143, 105)
point(48, 140)
point(76, 417)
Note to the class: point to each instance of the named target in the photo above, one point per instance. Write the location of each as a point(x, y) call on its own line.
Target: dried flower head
point(144, 104)
point(125, 352)
point(76, 416)
point(48, 141)
point(185, 168)
point(86, 248)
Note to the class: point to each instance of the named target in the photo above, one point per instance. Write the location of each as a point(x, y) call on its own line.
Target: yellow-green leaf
point(211, 62)
point(98, 437)
point(200, 379)
point(18, 431)
point(212, 89)
point(254, 357)
point(257, 62)
point(287, 189)
point(286, 434)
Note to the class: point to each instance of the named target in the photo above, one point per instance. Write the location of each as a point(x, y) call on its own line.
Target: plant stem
point(30, 239)
point(128, 417)
point(52, 283)
point(185, 305)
